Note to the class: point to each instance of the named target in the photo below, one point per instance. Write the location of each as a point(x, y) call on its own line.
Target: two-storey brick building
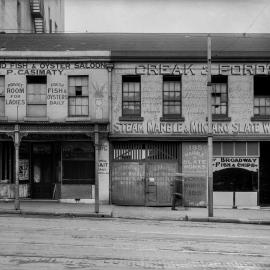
point(159, 119)
point(146, 97)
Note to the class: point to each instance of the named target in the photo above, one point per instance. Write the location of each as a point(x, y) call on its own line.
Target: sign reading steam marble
point(160, 128)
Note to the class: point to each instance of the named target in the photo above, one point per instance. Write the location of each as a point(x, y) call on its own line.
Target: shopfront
point(54, 114)
point(166, 104)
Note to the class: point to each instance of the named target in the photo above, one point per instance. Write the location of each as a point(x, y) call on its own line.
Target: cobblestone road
point(39, 243)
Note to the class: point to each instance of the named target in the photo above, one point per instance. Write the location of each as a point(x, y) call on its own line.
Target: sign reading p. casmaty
point(247, 163)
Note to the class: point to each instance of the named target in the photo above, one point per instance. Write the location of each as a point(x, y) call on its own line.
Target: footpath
point(81, 210)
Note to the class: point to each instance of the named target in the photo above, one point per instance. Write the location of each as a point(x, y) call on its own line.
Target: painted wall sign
point(199, 69)
point(193, 127)
point(194, 157)
point(57, 94)
point(103, 167)
point(247, 163)
point(195, 191)
point(15, 94)
point(43, 68)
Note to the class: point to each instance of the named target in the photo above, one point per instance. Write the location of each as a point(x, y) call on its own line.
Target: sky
point(168, 16)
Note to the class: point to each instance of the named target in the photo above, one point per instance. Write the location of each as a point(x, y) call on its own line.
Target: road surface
point(35, 243)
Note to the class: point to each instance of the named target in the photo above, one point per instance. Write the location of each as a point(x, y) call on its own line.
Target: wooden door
point(128, 183)
point(159, 178)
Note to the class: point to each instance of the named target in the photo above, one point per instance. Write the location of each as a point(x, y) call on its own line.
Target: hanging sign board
point(246, 163)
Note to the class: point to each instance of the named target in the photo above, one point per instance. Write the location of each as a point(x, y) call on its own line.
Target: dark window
point(6, 162)
point(228, 149)
point(131, 95)
point(36, 96)
point(2, 95)
point(172, 96)
point(220, 95)
point(217, 149)
point(240, 149)
point(78, 162)
point(78, 98)
point(261, 95)
point(235, 179)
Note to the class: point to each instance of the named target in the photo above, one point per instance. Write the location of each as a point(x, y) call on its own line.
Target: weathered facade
point(55, 112)
point(146, 98)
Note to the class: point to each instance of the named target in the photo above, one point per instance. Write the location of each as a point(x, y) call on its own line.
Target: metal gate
point(142, 173)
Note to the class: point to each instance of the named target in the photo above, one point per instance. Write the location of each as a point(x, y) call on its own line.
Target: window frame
point(77, 97)
point(170, 79)
point(261, 95)
point(219, 80)
point(35, 80)
point(131, 79)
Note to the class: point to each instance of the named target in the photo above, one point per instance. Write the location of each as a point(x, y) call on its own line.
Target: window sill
point(77, 118)
point(131, 118)
point(36, 119)
point(172, 119)
point(260, 118)
point(220, 118)
point(78, 182)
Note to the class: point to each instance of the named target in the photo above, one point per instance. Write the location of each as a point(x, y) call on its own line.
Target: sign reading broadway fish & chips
point(247, 163)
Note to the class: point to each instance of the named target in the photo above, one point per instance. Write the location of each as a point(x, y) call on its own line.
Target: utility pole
point(210, 131)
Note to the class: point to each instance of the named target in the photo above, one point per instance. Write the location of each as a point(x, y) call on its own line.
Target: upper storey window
point(262, 96)
point(172, 96)
point(219, 96)
point(131, 95)
point(36, 96)
point(78, 96)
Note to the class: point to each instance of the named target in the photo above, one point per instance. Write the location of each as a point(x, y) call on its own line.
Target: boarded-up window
point(2, 95)
point(36, 96)
point(78, 162)
point(78, 98)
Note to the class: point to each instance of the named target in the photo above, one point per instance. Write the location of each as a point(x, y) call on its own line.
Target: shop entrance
point(264, 174)
point(42, 171)
point(142, 173)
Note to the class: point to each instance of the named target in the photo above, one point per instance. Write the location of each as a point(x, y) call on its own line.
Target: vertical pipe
point(110, 107)
point(96, 170)
point(210, 132)
point(17, 147)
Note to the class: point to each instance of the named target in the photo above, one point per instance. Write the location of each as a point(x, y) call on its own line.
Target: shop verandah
point(50, 160)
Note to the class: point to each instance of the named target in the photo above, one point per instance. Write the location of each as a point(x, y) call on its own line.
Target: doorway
point(42, 171)
point(264, 195)
point(142, 173)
